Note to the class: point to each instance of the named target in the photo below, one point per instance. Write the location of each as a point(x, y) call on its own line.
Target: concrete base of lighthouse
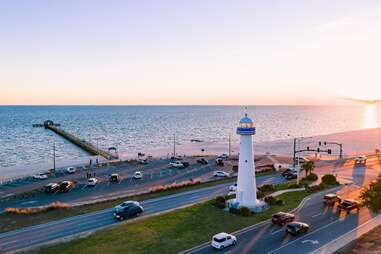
point(258, 207)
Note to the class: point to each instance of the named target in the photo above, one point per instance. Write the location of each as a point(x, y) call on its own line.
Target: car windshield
point(292, 226)
point(219, 240)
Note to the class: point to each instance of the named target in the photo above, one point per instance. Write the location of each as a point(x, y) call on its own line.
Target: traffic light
point(329, 151)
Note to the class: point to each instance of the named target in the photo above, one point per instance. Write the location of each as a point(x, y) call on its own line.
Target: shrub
point(316, 188)
point(234, 210)
point(371, 195)
point(260, 194)
point(329, 179)
point(270, 200)
point(37, 210)
point(220, 202)
point(267, 188)
point(245, 211)
point(174, 186)
point(294, 186)
point(311, 177)
point(279, 202)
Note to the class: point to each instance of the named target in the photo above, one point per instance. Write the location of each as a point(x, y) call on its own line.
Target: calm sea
point(142, 128)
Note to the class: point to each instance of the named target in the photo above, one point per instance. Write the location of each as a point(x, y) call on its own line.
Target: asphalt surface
point(155, 173)
point(35, 235)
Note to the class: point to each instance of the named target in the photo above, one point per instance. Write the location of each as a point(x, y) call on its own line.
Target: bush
point(311, 177)
point(371, 195)
point(294, 186)
point(316, 188)
point(270, 200)
point(267, 188)
point(174, 186)
point(279, 202)
point(234, 210)
point(260, 194)
point(329, 179)
point(220, 202)
point(245, 211)
point(37, 210)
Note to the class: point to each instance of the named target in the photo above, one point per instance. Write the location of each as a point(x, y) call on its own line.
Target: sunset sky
point(189, 52)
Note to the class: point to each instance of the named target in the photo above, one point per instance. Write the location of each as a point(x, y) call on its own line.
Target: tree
point(308, 166)
point(371, 195)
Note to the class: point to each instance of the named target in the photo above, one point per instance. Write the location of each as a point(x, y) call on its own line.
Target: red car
point(282, 218)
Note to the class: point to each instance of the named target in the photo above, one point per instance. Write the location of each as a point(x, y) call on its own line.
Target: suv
point(288, 171)
point(51, 187)
point(114, 178)
point(222, 240)
point(128, 209)
point(220, 174)
point(202, 161)
point(348, 205)
point(219, 161)
point(296, 228)
point(331, 199)
point(282, 218)
point(291, 176)
point(70, 170)
point(66, 186)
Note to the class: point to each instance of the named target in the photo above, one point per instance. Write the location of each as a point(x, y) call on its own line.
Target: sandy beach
point(354, 143)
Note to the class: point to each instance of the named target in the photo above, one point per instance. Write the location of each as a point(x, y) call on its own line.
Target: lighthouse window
point(246, 161)
point(246, 125)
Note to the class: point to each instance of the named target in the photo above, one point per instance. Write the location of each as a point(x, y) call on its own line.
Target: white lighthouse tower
point(246, 194)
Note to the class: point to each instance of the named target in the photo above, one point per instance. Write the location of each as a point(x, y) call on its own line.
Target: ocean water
point(134, 129)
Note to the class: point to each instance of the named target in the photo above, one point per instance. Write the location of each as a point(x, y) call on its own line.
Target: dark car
point(287, 172)
point(296, 228)
point(331, 199)
point(292, 176)
point(66, 186)
point(219, 161)
point(143, 161)
point(51, 188)
point(185, 164)
point(348, 205)
point(114, 178)
point(202, 161)
point(282, 218)
point(128, 209)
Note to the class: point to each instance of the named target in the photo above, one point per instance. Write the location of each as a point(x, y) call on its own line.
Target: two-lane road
point(326, 224)
point(35, 235)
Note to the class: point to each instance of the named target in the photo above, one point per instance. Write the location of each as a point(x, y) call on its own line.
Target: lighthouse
point(246, 194)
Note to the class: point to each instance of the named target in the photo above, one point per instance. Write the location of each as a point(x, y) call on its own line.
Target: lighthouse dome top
point(246, 122)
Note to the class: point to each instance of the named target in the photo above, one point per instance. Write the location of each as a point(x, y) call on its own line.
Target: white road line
point(277, 231)
point(291, 242)
point(316, 215)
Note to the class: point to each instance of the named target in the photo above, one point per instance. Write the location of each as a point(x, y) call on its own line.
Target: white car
point(223, 240)
point(221, 174)
point(138, 175)
point(233, 187)
point(176, 164)
point(92, 181)
point(41, 176)
point(70, 170)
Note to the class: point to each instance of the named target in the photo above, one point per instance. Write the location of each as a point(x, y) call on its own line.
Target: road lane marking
point(316, 230)
point(29, 202)
point(311, 241)
point(316, 215)
point(277, 231)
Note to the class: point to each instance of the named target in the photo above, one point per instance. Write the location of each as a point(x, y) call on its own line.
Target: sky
point(189, 52)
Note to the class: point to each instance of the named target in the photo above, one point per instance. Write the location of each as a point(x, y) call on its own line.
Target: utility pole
point(54, 156)
point(174, 145)
point(97, 150)
point(230, 146)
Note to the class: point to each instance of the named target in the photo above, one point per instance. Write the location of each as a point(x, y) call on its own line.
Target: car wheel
point(234, 242)
point(222, 247)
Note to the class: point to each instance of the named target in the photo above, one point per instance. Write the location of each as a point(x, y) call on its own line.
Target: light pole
point(54, 156)
point(174, 145)
point(230, 145)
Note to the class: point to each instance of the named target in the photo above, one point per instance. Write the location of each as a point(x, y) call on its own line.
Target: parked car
point(282, 218)
point(224, 156)
point(288, 171)
point(66, 186)
point(70, 170)
point(185, 163)
point(291, 176)
point(128, 209)
point(233, 187)
point(331, 199)
point(176, 164)
point(221, 174)
point(51, 187)
point(348, 205)
point(41, 176)
point(143, 161)
point(202, 161)
point(223, 240)
point(138, 175)
point(92, 181)
point(219, 162)
point(296, 228)
point(114, 178)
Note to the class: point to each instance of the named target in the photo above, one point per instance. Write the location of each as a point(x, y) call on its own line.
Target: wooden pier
point(88, 147)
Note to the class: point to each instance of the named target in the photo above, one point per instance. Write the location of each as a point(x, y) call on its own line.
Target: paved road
point(35, 235)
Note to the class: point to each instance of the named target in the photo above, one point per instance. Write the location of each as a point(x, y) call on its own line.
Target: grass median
point(171, 232)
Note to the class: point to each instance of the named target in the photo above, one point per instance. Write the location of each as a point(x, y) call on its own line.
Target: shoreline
point(356, 142)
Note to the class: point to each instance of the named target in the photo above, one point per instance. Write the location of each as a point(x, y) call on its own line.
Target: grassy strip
point(10, 222)
point(172, 232)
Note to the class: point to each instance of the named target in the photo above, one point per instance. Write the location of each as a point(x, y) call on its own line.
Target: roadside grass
point(10, 222)
point(171, 232)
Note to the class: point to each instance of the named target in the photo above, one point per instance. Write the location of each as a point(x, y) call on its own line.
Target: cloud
point(336, 25)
